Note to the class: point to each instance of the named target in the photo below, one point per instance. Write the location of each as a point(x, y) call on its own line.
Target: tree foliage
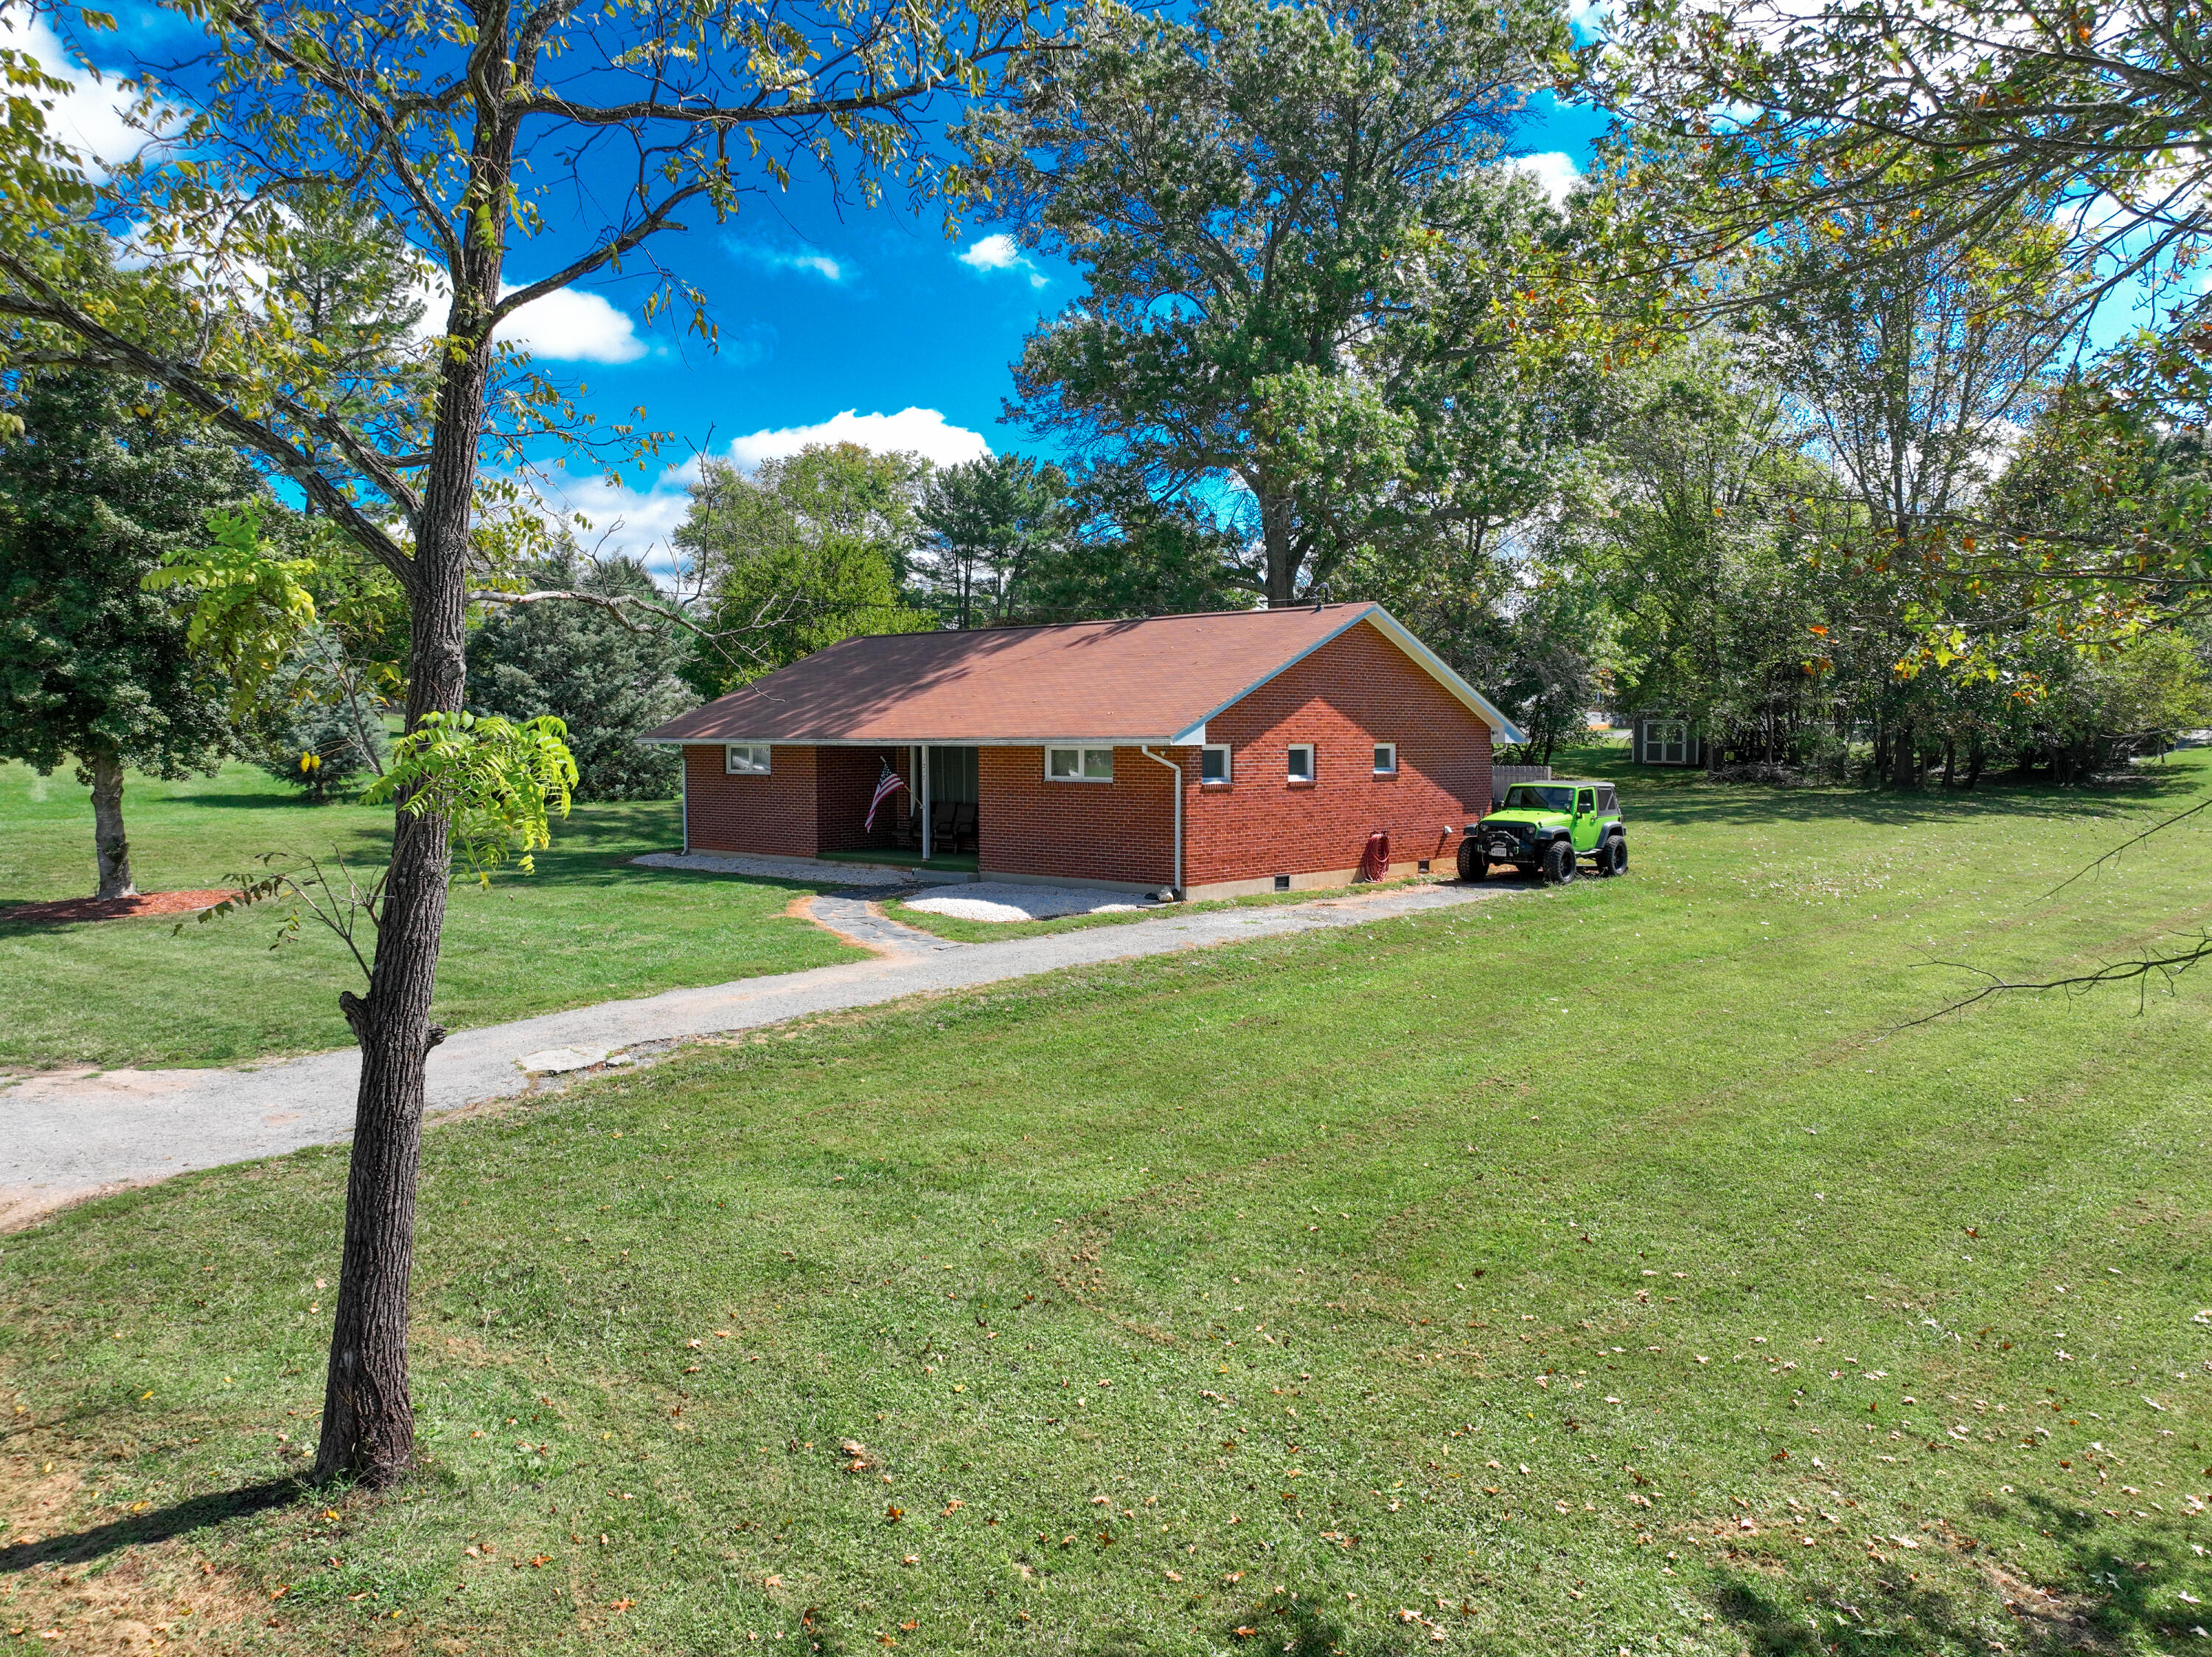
point(608, 677)
point(804, 552)
point(1295, 230)
point(988, 524)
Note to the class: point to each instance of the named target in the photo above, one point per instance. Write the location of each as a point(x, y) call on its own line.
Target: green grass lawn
point(586, 928)
point(1604, 1270)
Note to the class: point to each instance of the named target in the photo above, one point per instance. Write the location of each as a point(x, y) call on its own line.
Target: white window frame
point(1660, 734)
point(1082, 771)
point(1312, 773)
point(1228, 766)
point(1390, 770)
point(758, 758)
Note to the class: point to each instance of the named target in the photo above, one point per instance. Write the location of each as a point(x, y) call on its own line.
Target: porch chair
point(964, 826)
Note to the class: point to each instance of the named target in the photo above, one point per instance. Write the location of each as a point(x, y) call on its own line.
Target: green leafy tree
point(1298, 234)
point(987, 524)
point(808, 550)
point(1951, 125)
point(463, 121)
point(1911, 376)
point(92, 667)
point(607, 677)
point(1130, 553)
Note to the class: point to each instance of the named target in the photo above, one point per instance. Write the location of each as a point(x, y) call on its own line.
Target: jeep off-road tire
point(1559, 865)
point(1473, 861)
point(1612, 857)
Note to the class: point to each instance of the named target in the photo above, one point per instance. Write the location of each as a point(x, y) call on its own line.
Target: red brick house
point(1218, 754)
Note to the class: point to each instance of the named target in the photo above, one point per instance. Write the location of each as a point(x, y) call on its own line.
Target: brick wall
point(812, 801)
point(1356, 691)
point(845, 781)
point(773, 814)
point(1122, 831)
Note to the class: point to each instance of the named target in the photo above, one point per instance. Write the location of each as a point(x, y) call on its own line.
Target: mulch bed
point(116, 909)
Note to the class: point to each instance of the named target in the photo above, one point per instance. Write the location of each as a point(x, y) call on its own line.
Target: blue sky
point(858, 324)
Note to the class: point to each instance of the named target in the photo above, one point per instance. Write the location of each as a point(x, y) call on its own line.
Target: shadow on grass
point(139, 1530)
point(2102, 1599)
point(1278, 1624)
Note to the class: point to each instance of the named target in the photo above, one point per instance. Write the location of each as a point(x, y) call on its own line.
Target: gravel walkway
point(67, 1135)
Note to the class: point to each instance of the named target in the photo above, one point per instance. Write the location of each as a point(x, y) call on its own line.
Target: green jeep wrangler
point(1544, 828)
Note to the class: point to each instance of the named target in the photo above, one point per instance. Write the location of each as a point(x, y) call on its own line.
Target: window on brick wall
point(1213, 763)
point(1386, 759)
point(745, 759)
point(1302, 762)
point(1078, 765)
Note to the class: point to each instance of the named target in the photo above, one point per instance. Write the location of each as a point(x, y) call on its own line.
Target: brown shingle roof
point(1150, 681)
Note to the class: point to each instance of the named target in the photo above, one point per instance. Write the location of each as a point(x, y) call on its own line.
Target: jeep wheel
point(1612, 857)
point(1474, 864)
point(1558, 866)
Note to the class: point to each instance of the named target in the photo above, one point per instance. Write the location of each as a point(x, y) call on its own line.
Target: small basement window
point(1213, 763)
point(745, 759)
point(1302, 762)
point(1386, 759)
point(1080, 764)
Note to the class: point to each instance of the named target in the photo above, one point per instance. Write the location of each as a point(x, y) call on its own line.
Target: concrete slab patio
point(68, 1134)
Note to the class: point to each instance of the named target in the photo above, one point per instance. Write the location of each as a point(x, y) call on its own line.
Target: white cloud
point(621, 519)
point(570, 325)
point(993, 253)
point(89, 115)
point(1591, 18)
point(921, 431)
point(999, 252)
point(780, 259)
point(1556, 172)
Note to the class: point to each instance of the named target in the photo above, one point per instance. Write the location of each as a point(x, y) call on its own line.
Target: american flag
point(886, 785)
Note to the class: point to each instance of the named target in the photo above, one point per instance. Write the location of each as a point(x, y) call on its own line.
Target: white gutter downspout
point(1178, 769)
point(683, 779)
point(923, 750)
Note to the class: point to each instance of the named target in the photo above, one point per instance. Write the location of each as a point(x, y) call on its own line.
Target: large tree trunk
point(1905, 770)
point(109, 846)
point(368, 1414)
point(1282, 556)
